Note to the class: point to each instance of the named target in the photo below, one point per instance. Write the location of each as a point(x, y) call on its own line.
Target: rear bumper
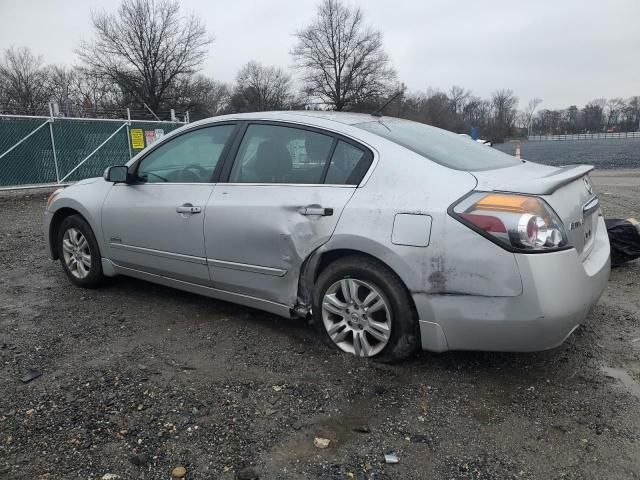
point(559, 290)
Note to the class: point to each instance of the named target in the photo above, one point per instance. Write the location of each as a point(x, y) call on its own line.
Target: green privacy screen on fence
point(41, 150)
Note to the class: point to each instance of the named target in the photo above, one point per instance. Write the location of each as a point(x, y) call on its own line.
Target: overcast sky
point(563, 51)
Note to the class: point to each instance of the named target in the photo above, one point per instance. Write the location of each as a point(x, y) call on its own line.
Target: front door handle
point(188, 209)
point(324, 212)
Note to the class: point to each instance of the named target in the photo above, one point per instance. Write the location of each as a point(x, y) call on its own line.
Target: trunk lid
point(568, 190)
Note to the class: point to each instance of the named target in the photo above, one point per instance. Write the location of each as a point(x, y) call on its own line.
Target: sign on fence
point(137, 138)
point(149, 137)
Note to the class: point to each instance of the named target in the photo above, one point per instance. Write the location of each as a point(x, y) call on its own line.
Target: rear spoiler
point(549, 184)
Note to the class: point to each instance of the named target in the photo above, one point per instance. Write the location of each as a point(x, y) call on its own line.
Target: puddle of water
point(619, 374)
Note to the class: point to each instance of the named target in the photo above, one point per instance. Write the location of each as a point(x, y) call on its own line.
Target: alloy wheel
point(76, 253)
point(357, 317)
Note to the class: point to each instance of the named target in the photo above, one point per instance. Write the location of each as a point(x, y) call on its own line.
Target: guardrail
point(583, 136)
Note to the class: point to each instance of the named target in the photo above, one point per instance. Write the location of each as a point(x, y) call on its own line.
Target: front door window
point(188, 158)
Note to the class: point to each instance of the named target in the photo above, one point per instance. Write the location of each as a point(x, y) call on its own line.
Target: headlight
point(53, 196)
point(519, 223)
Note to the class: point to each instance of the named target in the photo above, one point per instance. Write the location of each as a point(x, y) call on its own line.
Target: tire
point(73, 252)
point(367, 278)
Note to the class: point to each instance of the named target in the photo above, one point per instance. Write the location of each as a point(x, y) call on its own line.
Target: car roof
point(304, 116)
point(340, 122)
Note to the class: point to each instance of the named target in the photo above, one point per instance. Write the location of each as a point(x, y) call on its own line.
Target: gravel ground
point(138, 379)
point(603, 154)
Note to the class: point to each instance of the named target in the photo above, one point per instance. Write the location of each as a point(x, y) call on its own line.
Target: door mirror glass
point(117, 174)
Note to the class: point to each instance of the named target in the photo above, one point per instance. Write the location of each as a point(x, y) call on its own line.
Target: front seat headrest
point(273, 162)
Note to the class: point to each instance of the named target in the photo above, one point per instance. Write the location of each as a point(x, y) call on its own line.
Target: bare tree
point(476, 112)
point(259, 88)
point(504, 104)
point(458, 97)
point(342, 60)
point(23, 80)
point(94, 94)
point(437, 111)
point(202, 97)
point(409, 106)
point(594, 114)
point(615, 107)
point(632, 114)
point(60, 87)
point(145, 48)
point(528, 114)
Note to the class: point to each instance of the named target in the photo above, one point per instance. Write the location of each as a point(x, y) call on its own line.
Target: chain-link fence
point(51, 150)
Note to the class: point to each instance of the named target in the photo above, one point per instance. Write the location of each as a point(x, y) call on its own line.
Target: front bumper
point(559, 290)
point(46, 227)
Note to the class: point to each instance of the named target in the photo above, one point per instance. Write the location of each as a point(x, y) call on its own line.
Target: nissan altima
point(391, 235)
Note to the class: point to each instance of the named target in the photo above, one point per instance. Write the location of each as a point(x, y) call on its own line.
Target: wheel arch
point(322, 257)
point(54, 228)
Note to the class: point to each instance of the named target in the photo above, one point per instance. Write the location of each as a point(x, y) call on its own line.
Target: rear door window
point(279, 154)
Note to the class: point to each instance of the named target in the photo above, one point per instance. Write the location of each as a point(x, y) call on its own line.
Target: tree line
point(147, 56)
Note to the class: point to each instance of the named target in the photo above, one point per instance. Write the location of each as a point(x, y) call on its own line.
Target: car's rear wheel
point(79, 252)
point(362, 308)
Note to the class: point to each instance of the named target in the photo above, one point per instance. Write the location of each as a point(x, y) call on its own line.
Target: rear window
point(446, 148)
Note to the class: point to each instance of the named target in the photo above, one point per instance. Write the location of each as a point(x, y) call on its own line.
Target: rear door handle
point(324, 212)
point(188, 209)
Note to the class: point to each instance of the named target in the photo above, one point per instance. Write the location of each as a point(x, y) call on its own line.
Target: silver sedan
point(391, 235)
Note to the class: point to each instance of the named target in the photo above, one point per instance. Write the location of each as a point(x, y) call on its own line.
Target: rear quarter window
point(443, 147)
point(348, 165)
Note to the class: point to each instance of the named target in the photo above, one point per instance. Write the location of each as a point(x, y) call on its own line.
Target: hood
point(86, 181)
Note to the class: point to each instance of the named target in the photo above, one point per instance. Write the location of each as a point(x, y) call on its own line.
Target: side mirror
point(117, 174)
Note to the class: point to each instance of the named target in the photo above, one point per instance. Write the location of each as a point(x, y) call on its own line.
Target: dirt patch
point(138, 379)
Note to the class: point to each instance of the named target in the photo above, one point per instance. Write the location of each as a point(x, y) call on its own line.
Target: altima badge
point(574, 225)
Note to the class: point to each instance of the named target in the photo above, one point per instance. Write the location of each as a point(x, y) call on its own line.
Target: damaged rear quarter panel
point(457, 259)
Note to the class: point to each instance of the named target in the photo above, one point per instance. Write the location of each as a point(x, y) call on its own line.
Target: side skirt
point(246, 300)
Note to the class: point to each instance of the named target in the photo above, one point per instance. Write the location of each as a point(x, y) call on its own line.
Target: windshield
point(443, 147)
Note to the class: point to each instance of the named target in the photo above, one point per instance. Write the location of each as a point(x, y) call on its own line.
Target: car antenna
point(378, 112)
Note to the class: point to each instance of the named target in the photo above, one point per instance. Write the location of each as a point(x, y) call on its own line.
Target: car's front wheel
point(361, 307)
point(79, 253)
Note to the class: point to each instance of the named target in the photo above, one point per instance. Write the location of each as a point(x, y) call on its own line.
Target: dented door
point(257, 236)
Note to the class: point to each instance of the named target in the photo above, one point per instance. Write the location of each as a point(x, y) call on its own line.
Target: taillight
point(517, 222)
